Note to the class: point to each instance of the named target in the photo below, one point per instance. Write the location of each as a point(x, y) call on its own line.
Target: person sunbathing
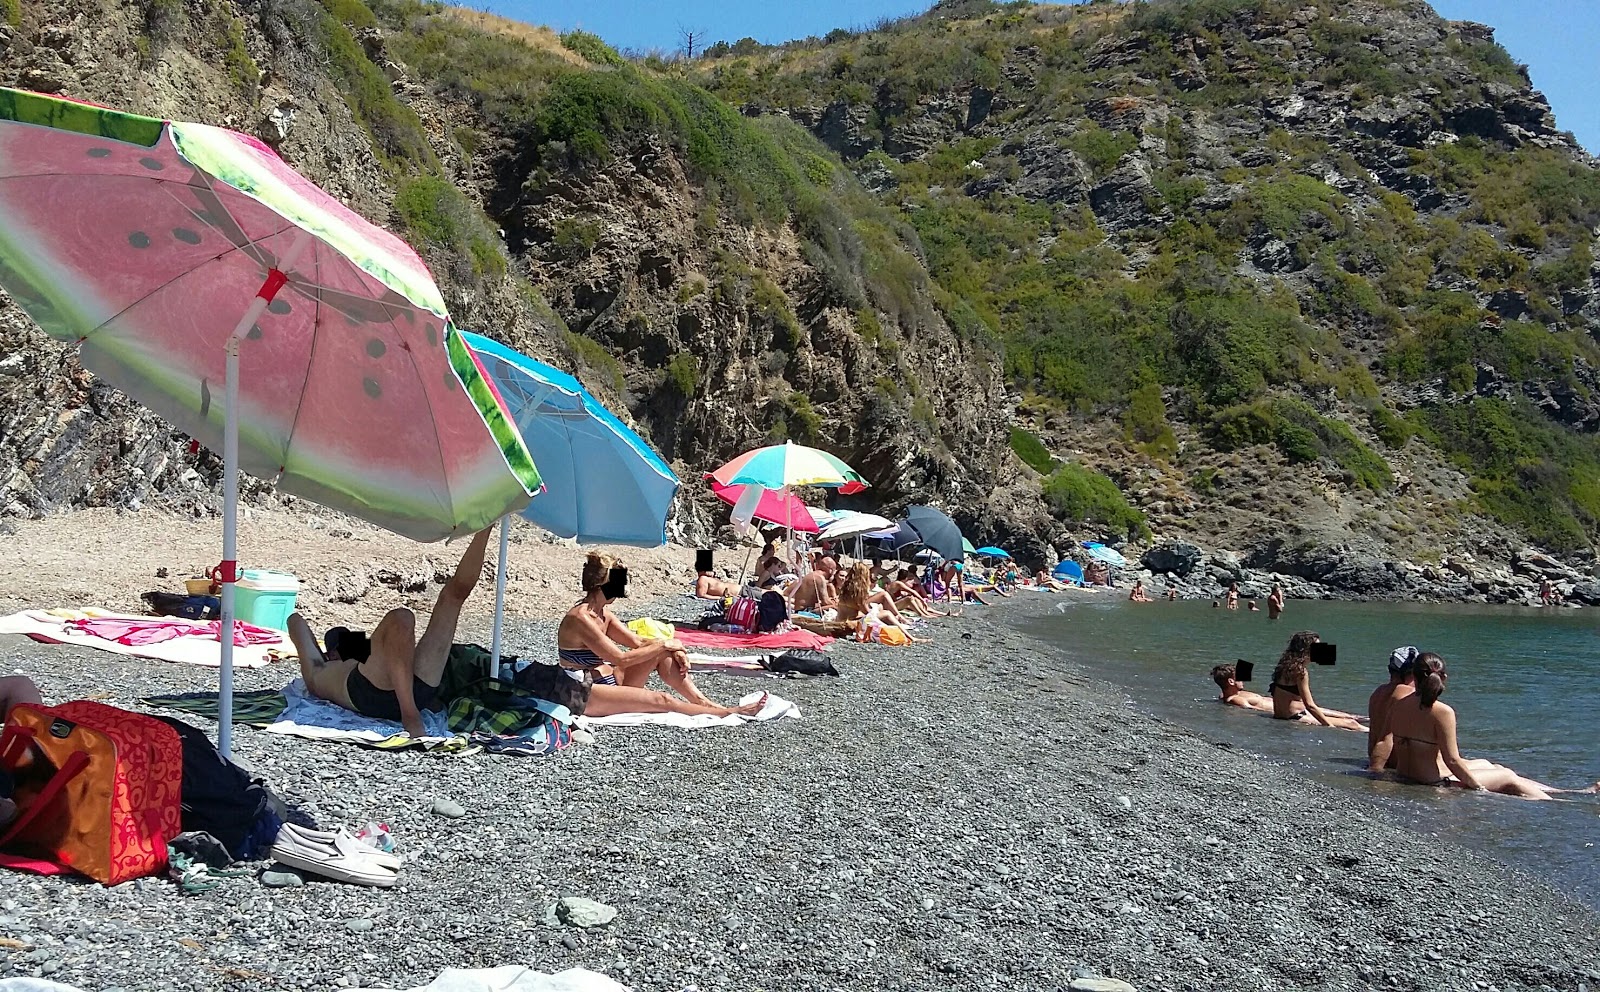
point(602, 666)
point(858, 599)
point(815, 592)
point(908, 598)
point(1138, 595)
point(1235, 694)
point(1290, 688)
point(954, 577)
point(770, 574)
point(1424, 750)
point(1402, 683)
point(708, 586)
point(393, 675)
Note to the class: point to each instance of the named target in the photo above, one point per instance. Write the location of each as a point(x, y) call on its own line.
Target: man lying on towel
point(392, 675)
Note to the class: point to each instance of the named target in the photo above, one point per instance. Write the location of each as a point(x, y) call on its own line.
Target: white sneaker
point(341, 859)
point(375, 854)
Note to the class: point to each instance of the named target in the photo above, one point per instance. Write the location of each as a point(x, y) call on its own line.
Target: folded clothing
point(788, 639)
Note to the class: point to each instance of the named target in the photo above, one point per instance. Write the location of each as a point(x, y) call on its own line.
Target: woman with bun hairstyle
point(602, 666)
point(1425, 749)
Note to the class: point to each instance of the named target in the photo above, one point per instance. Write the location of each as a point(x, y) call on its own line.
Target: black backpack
point(772, 612)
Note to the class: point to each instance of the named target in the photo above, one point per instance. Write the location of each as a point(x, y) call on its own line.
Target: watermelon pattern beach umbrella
point(217, 286)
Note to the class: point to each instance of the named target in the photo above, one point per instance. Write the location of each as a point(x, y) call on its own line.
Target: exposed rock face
point(1178, 559)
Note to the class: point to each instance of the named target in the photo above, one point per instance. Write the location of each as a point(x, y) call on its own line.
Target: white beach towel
point(514, 978)
point(774, 709)
point(203, 651)
point(319, 720)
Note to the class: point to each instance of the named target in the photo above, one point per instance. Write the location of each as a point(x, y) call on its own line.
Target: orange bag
point(97, 789)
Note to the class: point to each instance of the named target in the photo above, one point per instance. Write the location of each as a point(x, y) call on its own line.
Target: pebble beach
point(965, 814)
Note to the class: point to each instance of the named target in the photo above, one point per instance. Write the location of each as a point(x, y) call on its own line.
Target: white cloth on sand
point(319, 720)
point(514, 978)
point(774, 709)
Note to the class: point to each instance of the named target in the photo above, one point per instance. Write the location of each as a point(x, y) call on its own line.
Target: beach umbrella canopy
point(780, 466)
point(937, 531)
point(602, 483)
point(967, 548)
point(1099, 552)
point(992, 552)
point(186, 260)
point(775, 507)
point(856, 524)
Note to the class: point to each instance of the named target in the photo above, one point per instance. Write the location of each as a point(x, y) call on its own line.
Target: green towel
point(259, 708)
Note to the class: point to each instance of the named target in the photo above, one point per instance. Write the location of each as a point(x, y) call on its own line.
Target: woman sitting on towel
point(857, 599)
point(602, 666)
point(908, 598)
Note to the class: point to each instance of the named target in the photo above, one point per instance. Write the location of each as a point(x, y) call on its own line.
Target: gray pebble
point(358, 926)
point(449, 808)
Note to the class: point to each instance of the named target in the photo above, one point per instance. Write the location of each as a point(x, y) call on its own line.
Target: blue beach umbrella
point(603, 483)
point(992, 552)
point(1099, 552)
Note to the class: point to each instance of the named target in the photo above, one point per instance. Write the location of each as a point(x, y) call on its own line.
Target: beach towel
point(774, 709)
point(744, 642)
point(652, 630)
point(294, 712)
point(199, 645)
point(513, 978)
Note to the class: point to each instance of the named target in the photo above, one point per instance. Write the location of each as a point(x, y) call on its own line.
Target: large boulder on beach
point(1587, 593)
point(1178, 558)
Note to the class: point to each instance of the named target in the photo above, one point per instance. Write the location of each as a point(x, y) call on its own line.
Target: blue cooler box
point(265, 598)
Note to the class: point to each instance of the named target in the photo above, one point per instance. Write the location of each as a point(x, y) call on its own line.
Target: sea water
point(1525, 684)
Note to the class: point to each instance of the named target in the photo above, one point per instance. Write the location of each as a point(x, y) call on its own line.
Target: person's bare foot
point(750, 709)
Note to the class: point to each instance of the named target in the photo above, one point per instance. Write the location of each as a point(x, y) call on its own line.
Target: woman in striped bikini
point(603, 665)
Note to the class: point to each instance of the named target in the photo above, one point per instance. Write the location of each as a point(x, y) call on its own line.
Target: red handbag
point(98, 791)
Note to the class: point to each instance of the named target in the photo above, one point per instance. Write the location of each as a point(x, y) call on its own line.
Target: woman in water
point(603, 665)
point(1425, 751)
point(1290, 688)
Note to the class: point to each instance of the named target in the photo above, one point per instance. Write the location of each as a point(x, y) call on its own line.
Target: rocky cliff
point(1310, 281)
point(722, 282)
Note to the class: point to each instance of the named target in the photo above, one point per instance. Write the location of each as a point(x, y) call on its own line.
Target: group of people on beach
point(1411, 734)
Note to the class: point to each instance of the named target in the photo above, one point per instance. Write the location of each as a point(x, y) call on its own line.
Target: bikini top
point(1289, 689)
point(579, 658)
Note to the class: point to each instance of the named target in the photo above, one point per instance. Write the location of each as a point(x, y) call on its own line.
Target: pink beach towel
point(140, 632)
point(791, 639)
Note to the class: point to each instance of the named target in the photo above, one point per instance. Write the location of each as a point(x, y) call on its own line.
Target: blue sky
point(1556, 38)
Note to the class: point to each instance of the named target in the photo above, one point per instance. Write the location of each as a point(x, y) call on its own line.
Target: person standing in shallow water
point(1275, 602)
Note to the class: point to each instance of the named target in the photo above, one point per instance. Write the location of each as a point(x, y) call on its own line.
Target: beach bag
point(219, 798)
point(744, 613)
point(772, 612)
point(801, 661)
point(98, 791)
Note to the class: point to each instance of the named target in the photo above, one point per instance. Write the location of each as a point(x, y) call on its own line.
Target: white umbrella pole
point(500, 595)
point(228, 571)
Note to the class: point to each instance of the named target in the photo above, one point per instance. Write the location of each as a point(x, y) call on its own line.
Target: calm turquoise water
point(1525, 684)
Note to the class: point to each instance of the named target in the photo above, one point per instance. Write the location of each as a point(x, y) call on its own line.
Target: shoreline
point(949, 815)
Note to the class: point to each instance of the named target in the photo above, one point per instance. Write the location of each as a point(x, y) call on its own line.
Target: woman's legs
point(609, 700)
point(674, 671)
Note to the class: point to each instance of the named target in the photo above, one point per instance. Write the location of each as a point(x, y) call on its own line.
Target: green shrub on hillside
point(1032, 451)
point(1526, 472)
point(436, 212)
point(591, 47)
point(594, 355)
point(1100, 149)
point(1080, 494)
point(683, 374)
point(396, 131)
point(1302, 435)
point(1145, 421)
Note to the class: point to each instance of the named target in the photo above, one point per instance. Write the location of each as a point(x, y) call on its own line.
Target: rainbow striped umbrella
point(780, 466)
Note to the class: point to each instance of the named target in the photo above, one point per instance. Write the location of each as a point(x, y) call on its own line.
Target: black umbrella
point(937, 531)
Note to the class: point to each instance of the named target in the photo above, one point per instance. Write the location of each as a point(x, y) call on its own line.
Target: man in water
point(1235, 694)
point(1402, 683)
point(1275, 602)
point(1172, 594)
point(1138, 595)
point(393, 675)
point(815, 591)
